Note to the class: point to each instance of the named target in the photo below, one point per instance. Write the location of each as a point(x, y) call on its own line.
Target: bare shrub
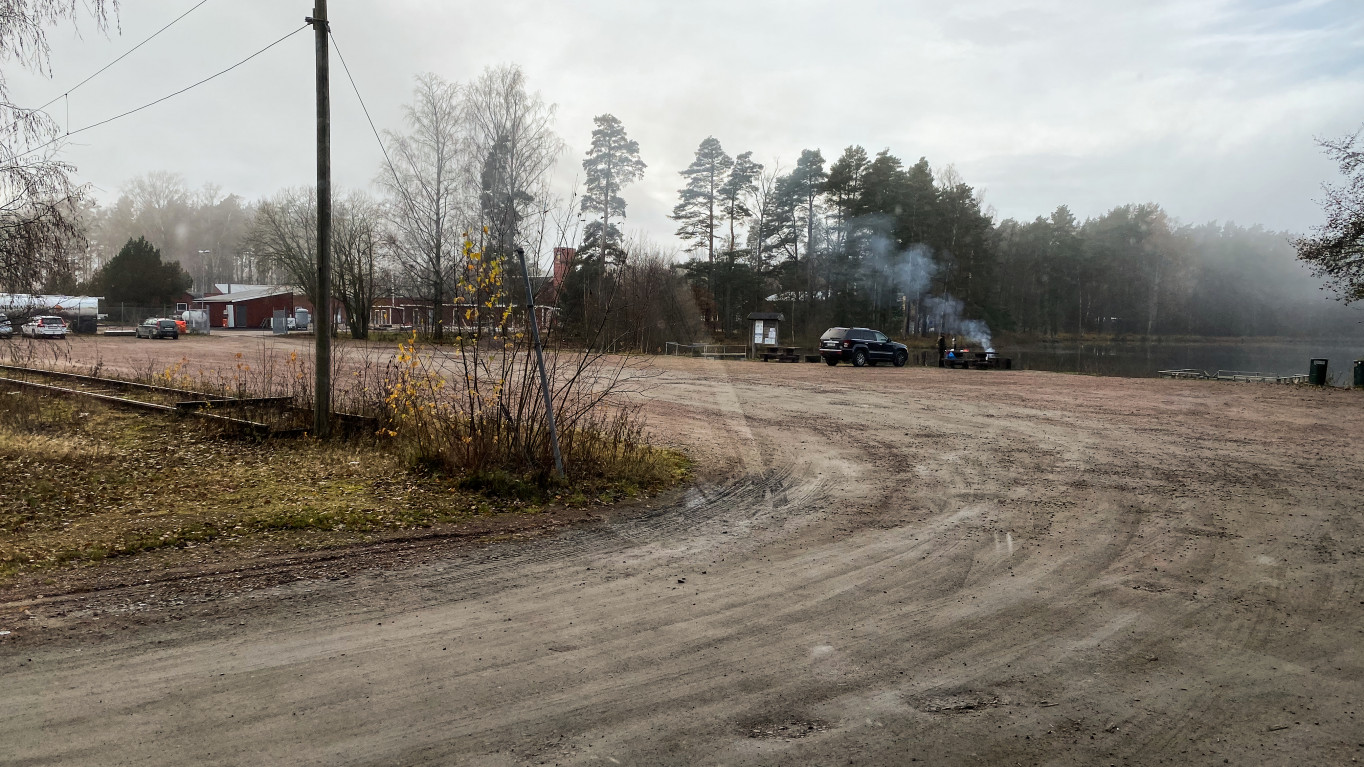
point(38, 352)
point(475, 406)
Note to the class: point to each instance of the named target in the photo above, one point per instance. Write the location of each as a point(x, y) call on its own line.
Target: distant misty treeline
point(869, 241)
point(1133, 270)
point(204, 229)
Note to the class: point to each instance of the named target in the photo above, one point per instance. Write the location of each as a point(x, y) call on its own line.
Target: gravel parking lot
point(875, 566)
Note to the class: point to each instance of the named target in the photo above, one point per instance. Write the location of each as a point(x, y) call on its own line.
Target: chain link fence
point(120, 316)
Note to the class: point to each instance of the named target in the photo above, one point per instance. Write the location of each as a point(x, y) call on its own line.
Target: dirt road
point(877, 566)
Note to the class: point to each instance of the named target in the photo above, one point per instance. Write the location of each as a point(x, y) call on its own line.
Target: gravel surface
point(875, 566)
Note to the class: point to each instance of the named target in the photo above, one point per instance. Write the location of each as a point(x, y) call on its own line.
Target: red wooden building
point(251, 307)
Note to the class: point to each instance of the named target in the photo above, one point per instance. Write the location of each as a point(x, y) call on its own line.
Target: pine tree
point(696, 211)
point(918, 208)
point(885, 187)
point(501, 201)
point(611, 163)
point(800, 192)
point(739, 186)
point(847, 178)
point(1335, 251)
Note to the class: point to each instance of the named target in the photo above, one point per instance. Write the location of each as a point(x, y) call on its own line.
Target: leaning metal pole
point(540, 358)
point(322, 312)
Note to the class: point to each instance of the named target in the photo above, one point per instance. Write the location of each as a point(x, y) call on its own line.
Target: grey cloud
point(1205, 106)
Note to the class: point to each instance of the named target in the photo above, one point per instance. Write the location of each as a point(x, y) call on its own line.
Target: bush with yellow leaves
point(475, 406)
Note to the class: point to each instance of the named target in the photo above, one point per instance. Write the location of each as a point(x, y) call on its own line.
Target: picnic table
point(779, 353)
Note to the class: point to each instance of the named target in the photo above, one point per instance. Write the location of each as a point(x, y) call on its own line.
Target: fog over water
point(1142, 360)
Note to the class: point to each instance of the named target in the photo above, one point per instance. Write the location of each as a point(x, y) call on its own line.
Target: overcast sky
point(1207, 107)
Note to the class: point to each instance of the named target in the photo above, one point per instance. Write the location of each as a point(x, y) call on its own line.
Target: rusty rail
point(200, 404)
point(259, 428)
point(193, 403)
point(114, 382)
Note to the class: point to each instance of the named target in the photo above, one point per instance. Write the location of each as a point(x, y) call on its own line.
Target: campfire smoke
point(889, 270)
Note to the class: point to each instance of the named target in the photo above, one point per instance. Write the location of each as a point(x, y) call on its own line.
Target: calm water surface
point(1143, 360)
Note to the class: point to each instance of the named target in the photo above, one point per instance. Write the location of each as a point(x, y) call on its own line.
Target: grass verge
point(84, 482)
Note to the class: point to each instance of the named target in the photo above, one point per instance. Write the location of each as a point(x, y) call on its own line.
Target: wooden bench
point(780, 354)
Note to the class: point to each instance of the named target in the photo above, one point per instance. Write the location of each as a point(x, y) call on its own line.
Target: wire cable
point(105, 68)
point(149, 105)
point(387, 159)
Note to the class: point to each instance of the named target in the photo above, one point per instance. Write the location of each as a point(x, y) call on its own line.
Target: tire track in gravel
point(963, 578)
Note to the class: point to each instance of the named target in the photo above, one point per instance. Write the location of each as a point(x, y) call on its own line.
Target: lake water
point(1145, 360)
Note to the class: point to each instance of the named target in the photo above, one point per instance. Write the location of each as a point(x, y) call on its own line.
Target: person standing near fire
point(942, 351)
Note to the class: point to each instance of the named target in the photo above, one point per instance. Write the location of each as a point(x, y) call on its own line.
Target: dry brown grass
point(86, 482)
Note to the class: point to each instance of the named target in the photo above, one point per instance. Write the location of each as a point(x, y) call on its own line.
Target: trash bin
point(1359, 374)
point(1316, 372)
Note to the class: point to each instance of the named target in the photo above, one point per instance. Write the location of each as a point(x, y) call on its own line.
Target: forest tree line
point(867, 240)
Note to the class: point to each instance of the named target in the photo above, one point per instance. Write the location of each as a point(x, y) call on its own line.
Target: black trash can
point(1359, 374)
point(1316, 372)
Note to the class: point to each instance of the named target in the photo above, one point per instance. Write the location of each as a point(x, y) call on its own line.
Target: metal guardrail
point(705, 351)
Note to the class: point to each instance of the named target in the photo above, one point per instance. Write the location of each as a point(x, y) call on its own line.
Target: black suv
point(861, 347)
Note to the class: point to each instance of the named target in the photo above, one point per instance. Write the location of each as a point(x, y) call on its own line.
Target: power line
point(163, 98)
point(104, 68)
point(387, 159)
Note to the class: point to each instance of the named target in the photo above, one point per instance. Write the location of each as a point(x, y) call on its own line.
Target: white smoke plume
point(947, 314)
point(888, 269)
point(909, 271)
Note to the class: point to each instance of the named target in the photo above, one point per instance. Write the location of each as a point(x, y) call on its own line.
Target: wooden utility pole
point(322, 314)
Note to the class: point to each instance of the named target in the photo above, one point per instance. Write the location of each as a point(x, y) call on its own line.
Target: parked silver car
point(46, 326)
point(6, 329)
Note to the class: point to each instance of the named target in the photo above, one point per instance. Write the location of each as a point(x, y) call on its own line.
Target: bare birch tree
point(355, 232)
point(38, 201)
point(428, 203)
point(284, 237)
point(512, 147)
point(762, 198)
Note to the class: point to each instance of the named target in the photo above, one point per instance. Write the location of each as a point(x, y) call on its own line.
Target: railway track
point(263, 416)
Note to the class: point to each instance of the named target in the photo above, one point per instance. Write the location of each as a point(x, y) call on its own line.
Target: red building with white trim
point(251, 307)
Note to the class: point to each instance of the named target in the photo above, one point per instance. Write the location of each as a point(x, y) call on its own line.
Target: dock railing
point(1256, 377)
point(1243, 376)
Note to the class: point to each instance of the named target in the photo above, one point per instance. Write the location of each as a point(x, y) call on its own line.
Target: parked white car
point(44, 327)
